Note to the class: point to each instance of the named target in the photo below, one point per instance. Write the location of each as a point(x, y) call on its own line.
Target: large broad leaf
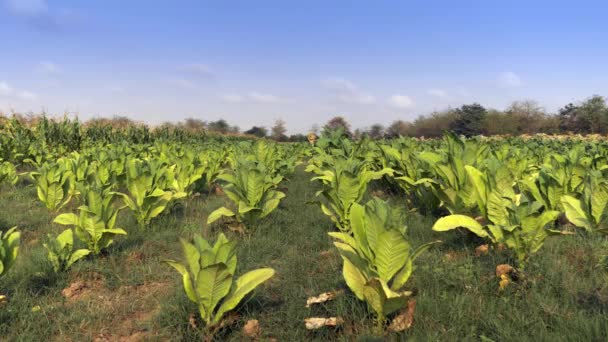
point(67, 219)
point(478, 181)
point(599, 202)
point(218, 213)
point(575, 212)
point(243, 286)
point(354, 278)
point(192, 256)
point(459, 221)
point(255, 187)
point(348, 188)
point(497, 209)
point(392, 252)
point(185, 278)
point(357, 225)
point(212, 285)
point(77, 255)
point(404, 274)
point(54, 195)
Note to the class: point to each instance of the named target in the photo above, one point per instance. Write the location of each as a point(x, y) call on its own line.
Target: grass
point(129, 294)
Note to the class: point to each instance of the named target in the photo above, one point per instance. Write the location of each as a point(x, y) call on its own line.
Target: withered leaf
point(314, 323)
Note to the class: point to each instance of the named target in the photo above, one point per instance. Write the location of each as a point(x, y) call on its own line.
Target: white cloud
point(197, 69)
point(48, 68)
point(40, 15)
point(509, 79)
point(233, 98)
point(8, 91)
point(347, 92)
point(26, 95)
point(27, 7)
point(439, 93)
point(182, 83)
point(5, 89)
point(252, 97)
point(263, 98)
point(401, 101)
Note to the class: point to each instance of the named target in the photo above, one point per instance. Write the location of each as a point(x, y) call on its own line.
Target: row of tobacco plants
point(514, 193)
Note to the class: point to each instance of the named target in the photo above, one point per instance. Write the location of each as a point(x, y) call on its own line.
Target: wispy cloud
point(252, 97)
point(40, 15)
point(197, 69)
point(7, 91)
point(347, 91)
point(509, 79)
point(27, 7)
point(232, 98)
point(263, 98)
point(401, 102)
point(48, 68)
point(182, 83)
point(439, 94)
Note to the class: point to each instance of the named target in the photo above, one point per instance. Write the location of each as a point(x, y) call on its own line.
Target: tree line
point(589, 116)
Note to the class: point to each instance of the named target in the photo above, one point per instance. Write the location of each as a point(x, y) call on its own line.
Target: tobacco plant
point(9, 249)
point(378, 258)
point(147, 195)
point(95, 223)
point(252, 191)
point(208, 277)
point(60, 251)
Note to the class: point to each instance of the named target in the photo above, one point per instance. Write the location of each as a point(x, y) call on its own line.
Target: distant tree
point(433, 125)
point(192, 124)
point(593, 115)
point(260, 132)
point(376, 131)
point(297, 138)
point(528, 116)
point(398, 128)
point(220, 126)
point(469, 120)
point(499, 123)
point(567, 118)
point(337, 123)
point(278, 130)
point(234, 129)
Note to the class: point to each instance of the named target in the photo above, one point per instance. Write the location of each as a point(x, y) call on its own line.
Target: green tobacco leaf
point(218, 213)
point(243, 286)
point(459, 221)
point(575, 213)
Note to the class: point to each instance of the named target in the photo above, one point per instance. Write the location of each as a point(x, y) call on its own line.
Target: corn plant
point(60, 251)
point(9, 249)
point(208, 277)
point(252, 190)
point(378, 258)
point(95, 223)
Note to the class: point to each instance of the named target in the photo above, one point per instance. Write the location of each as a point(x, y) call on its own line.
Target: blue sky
point(252, 62)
